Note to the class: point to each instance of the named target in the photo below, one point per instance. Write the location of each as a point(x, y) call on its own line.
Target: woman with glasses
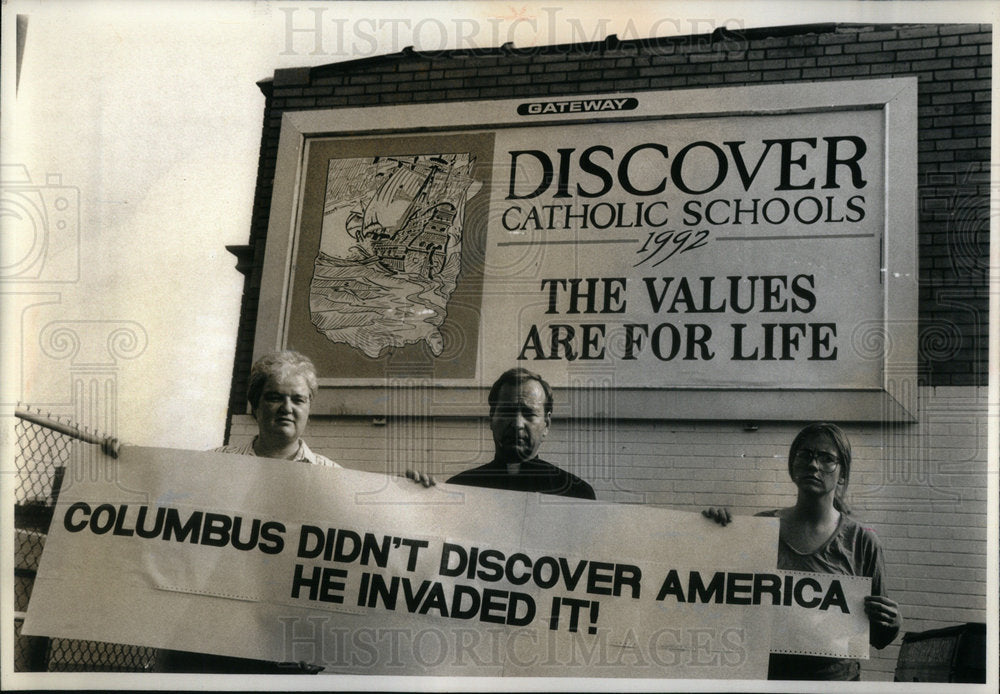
point(817, 534)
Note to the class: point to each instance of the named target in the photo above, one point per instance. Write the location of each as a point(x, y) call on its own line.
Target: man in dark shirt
point(520, 414)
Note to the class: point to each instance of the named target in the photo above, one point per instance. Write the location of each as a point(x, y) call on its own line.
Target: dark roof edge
point(303, 75)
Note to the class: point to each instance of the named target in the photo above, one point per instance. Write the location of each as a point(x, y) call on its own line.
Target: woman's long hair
point(843, 446)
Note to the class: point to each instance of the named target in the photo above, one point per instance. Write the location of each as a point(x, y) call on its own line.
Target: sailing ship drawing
point(390, 249)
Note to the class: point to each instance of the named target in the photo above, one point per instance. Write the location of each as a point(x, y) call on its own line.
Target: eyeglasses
point(827, 461)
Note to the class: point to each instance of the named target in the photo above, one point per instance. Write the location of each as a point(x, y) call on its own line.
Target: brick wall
point(922, 486)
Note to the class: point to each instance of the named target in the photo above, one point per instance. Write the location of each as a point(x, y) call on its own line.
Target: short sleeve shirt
point(852, 550)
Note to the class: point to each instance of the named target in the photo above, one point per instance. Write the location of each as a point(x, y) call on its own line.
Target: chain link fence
point(45, 445)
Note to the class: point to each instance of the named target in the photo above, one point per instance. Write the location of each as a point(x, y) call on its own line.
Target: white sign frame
point(894, 399)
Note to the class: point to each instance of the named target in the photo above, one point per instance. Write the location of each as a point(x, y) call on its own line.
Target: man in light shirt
point(280, 392)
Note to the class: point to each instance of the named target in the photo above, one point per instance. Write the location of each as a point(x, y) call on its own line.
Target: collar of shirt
point(303, 454)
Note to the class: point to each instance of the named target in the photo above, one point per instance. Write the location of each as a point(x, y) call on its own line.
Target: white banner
point(368, 574)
